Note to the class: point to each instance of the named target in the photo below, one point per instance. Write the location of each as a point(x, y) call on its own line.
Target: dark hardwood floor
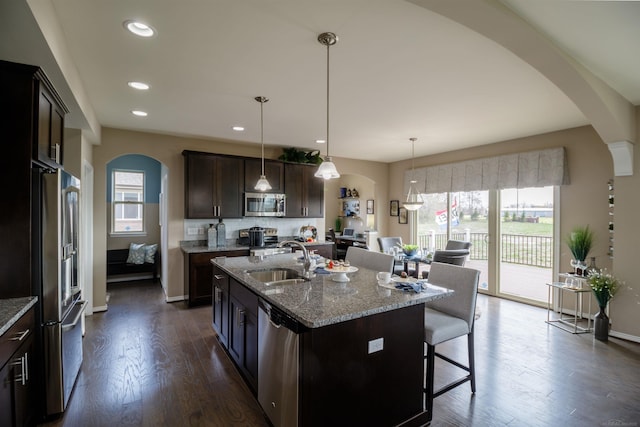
point(149, 363)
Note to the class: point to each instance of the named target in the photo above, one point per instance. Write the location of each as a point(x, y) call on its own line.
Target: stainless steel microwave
point(264, 204)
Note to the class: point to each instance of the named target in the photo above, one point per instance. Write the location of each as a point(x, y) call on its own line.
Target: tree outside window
point(127, 202)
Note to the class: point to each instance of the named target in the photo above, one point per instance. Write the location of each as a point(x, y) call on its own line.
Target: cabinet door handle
point(20, 377)
point(239, 317)
point(216, 295)
point(218, 276)
point(26, 367)
point(20, 335)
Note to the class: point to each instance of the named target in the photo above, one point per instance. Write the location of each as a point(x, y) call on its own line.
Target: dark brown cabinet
point(243, 331)
point(23, 127)
point(305, 192)
point(213, 185)
point(220, 305)
point(274, 171)
point(199, 274)
point(17, 362)
point(50, 129)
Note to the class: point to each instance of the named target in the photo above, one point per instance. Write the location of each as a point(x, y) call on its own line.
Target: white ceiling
point(398, 71)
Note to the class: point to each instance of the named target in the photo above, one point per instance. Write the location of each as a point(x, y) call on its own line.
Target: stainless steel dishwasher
point(278, 364)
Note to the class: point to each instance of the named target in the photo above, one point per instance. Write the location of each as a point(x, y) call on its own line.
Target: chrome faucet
point(305, 253)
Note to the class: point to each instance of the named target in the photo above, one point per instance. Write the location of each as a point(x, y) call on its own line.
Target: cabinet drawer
point(16, 335)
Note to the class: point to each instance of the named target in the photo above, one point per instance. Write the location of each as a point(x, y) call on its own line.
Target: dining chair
point(455, 252)
point(449, 318)
point(386, 245)
point(457, 244)
point(372, 260)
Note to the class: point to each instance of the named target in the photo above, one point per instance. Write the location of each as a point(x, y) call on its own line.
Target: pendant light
point(327, 169)
point(262, 184)
point(414, 199)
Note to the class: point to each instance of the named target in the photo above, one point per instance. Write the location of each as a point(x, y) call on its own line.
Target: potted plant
point(410, 250)
point(579, 242)
point(604, 287)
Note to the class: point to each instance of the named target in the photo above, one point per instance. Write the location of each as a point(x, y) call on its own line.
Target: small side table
point(569, 323)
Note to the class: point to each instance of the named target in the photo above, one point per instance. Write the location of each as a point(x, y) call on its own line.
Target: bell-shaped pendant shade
point(327, 170)
point(263, 184)
point(414, 199)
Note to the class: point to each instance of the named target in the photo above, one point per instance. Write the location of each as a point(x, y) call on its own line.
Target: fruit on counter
point(404, 275)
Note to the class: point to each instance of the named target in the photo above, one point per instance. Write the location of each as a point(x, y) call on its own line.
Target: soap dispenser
point(212, 236)
point(222, 233)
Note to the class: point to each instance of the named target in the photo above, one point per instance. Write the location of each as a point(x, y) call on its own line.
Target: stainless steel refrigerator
point(61, 302)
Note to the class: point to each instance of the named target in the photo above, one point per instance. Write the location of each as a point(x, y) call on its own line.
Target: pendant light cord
point(262, 133)
point(328, 100)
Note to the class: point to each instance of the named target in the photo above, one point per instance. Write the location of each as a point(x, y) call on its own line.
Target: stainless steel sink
point(276, 276)
point(286, 282)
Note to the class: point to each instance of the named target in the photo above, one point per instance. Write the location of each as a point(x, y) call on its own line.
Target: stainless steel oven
point(264, 204)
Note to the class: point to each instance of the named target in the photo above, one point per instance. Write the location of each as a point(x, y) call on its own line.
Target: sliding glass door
point(457, 216)
point(518, 262)
point(526, 243)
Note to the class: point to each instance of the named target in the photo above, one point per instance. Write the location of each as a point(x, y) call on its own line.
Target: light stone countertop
point(200, 246)
point(12, 309)
point(322, 301)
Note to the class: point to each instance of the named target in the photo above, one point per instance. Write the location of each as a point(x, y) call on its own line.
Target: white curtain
point(530, 169)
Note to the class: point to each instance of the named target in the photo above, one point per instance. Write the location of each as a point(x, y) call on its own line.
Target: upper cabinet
point(36, 116)
point(48, 148)
point(214, 185)
point(305, 192)
point(273, 170)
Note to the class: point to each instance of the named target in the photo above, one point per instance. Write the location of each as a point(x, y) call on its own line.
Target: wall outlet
point(200, 230)
point(192, 231)
point(376, 345)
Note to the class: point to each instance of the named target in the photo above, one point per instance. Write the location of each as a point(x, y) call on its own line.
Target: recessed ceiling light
point(238, 128)
point(138, 85)
point(139, 113)
point(320, 141)
point(139, 29)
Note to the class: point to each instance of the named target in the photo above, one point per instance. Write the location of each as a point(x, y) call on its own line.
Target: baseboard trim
point(99, 308)
point(624, 336)
point(176, 298)
point(127, 278)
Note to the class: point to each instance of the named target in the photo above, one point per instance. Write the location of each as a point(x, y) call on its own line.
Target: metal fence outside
point(521, 249)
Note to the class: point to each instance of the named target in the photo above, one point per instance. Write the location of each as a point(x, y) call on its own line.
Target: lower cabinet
point(220, 305)
point(243, 331)
point(199, 274)
point(17, 386)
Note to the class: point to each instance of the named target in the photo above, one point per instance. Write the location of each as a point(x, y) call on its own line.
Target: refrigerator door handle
point(76, 319)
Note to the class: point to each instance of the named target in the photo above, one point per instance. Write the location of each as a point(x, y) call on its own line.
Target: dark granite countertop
point(12, 309)
point(322, 301)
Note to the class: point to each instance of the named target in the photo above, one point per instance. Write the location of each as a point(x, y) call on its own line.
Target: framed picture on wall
point(393, 207)
point(402, 216)
point(369, 206)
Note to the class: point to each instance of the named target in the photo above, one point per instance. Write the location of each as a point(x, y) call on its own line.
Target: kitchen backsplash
point(196, 229)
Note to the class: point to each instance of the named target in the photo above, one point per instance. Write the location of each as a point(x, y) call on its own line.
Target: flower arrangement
point(603, 285)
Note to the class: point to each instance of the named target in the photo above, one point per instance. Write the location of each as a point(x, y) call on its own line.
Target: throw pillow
point(150, 253)
point(136, 253)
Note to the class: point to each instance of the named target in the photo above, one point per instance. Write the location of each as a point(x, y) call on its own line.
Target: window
point(127, 214)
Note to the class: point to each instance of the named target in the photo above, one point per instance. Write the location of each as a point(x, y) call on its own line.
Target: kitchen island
point(197, 266)
point(359, 346)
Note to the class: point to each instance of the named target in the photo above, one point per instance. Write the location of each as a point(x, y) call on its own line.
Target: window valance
point(530, 169)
